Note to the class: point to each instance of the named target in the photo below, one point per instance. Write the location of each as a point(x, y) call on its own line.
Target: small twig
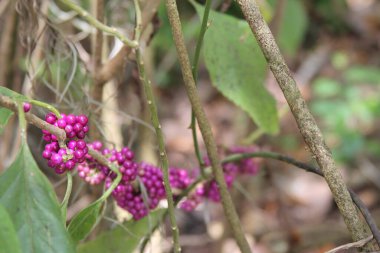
point(159, 135)
point(306, 123)
point(99, 25)
point(204, 125)
point(195, 67)
point(65, 200)
point(347, 246)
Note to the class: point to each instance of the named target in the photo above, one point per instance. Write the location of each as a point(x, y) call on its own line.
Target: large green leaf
point(238, 68)
point(31, 202)
point(9, 241)
point(5, 115)
point(83, 223)
point(123, 239)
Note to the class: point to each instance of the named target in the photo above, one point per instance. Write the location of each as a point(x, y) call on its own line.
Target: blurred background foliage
point(332, 48)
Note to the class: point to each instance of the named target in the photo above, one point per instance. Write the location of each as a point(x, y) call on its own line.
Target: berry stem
point(99, 25)
point(46, 106)
point(197, 53)
point(65, 200)
point(159, 135)
point(104, 161)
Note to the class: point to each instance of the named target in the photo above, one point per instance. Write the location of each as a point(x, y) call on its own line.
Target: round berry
point(27, 107)
point(78, 154)
point(72, 144)
point(81, 135)
point(56, 159)
point(86, 128)
point(46, 154)
point(50, 118)
point(61, 123)
point(69, 165)
point(78, 127)
point(82, 119)
point(81, 144)
point(70, 119)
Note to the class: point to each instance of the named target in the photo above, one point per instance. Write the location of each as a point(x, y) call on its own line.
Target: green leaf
point(8, 237)
point(5, 115)
point(122, 239)
point(238, 68)
point(292, 26)
point(83, 223)
point(32, 204)
point(10, 93)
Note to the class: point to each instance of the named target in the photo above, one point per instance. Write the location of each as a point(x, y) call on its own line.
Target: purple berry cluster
point(65, 158)
point(248, 166)
point(141, 195)
point(210, 190)
point(179, 178)
point(74, 126)
point(141, 187)
point(91, 170)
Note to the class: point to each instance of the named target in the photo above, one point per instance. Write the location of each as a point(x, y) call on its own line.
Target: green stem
point(195, 67)
point(204, 126)
point(159, 135)
point(99, 25)
point(65, 200)
point(46, 106)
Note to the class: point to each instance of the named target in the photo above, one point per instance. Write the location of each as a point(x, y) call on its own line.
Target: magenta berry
point(46, 154)
point(70, 119)
point(82, 119)
point(50, 118)
point(68, 129)
point(61, 123)
point(27, 107)
point(56, 159)
point(81, 144)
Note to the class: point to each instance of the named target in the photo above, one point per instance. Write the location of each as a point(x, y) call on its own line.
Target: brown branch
point(204, 125)
point(33, 119)
point(113, 66)
point(305, 121)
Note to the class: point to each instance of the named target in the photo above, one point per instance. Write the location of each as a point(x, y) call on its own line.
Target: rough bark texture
point(305, 121)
